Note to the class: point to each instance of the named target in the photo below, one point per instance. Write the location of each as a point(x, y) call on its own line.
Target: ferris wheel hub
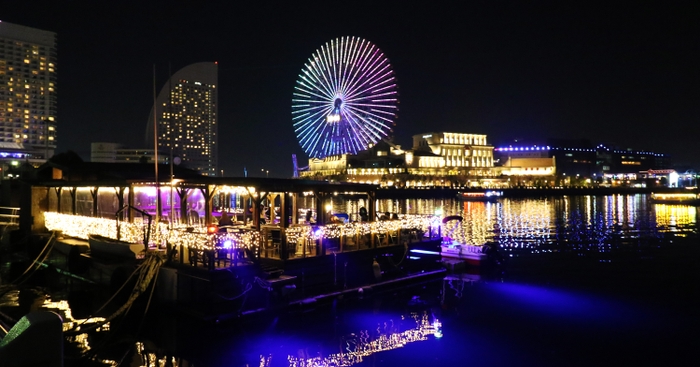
point(333, 118)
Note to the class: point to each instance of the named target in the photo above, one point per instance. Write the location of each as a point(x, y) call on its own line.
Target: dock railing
point(9, 215)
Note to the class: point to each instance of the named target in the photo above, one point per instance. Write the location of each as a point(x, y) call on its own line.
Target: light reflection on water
point(353, 348)
point(553, 224)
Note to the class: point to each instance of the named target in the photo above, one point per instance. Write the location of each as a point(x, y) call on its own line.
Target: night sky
point(626, 74)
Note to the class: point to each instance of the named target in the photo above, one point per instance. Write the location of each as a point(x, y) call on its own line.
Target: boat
point(111, 249)
point(451, 248)
point(489, 195)
point(472, 254)
point(681, 198)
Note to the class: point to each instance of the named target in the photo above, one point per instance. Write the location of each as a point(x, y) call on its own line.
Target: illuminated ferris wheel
point(345, 98)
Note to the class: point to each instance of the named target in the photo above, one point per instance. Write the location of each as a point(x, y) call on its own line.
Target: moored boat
point(682, 198)
point(488, 195)
point(108, 248)
point(472, 254)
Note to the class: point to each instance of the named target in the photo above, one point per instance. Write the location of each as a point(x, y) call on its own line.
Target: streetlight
point(267, 172)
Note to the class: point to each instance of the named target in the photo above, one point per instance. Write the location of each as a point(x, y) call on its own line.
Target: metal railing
point(9, 215)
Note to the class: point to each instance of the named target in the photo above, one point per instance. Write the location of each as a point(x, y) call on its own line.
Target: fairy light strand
point(198, 238)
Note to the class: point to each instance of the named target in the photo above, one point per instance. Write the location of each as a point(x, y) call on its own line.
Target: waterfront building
point(579, 163)
point(459, 151)
point(28, 95)
point(435, 159)
point(186, 111)
point(530, 172)
point(527, 166)
point(115, 153)
point(619, 161)
point(15, 158)
point(463, 159)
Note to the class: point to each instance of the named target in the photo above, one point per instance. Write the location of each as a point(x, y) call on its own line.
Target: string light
point(199, 238)
point(301, 234)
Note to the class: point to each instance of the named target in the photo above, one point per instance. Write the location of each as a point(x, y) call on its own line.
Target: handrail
point(13, 216)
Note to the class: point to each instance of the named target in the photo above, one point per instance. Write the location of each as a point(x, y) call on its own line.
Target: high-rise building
point(28, 94)
point(186, 115)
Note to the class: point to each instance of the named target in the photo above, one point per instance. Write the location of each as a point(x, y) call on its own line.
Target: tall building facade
point(28, 91)
point(186, 119)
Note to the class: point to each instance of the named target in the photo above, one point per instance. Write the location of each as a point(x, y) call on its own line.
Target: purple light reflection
point(564, 305)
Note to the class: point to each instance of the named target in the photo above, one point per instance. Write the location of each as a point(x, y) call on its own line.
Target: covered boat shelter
point(183, 198)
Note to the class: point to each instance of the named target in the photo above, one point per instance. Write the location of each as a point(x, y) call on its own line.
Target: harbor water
point(581, 280)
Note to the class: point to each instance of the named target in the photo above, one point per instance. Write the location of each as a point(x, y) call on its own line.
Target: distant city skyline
point(624, 75)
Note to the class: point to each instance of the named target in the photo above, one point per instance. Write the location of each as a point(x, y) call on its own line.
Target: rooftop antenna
point(170, 142)
point(155, 147)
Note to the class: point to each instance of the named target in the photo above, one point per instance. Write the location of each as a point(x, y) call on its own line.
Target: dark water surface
point(559, 311)
point(611, 280)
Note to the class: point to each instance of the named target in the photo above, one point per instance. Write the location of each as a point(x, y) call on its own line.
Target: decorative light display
point(199, 238)
point(238, 190)
point(345, 98)
point(302, 233)
point(547, 148)
point(249, 239)
point(79, 226)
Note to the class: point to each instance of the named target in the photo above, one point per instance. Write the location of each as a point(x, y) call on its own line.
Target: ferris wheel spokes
point(345, 98)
